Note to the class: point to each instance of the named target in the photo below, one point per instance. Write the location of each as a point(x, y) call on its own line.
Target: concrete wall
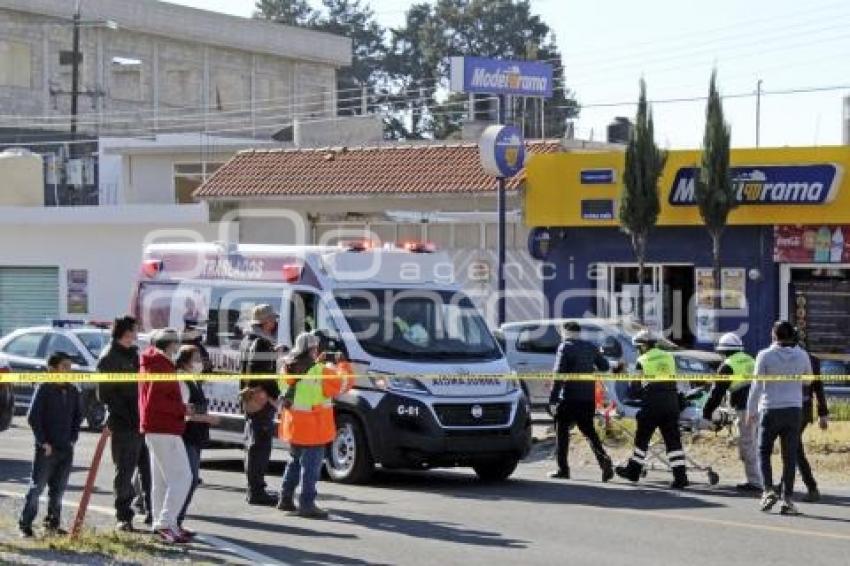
point(21, 179)
point(149, 178)
point(187, 75)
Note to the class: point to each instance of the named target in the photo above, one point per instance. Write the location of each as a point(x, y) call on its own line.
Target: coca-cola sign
point(811, 244)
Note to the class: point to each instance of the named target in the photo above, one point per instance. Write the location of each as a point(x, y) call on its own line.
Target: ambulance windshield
point(417, 324)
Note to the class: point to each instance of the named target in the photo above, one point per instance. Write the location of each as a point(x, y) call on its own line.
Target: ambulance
point(433, 386)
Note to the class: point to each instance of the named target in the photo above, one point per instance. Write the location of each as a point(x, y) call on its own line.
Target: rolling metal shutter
point(29, 296)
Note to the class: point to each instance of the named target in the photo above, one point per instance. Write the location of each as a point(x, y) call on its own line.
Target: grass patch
point(839, 411)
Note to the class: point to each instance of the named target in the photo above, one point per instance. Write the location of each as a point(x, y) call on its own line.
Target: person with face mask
point(259, 356)
point(197, 433)
point(162, 419)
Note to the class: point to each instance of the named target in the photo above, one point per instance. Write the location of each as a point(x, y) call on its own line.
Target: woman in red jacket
point(162, 415)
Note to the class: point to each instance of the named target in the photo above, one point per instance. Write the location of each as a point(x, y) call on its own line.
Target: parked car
point(7, 397)
point(530, 347)
point(27, 350)
point(835, 366)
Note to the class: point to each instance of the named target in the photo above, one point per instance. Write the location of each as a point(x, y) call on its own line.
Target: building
point(785, 253)
point(434, 193)
point(155, 61)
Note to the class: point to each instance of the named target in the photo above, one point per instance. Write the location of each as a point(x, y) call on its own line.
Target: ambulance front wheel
point(349, 459)
point(496, 470)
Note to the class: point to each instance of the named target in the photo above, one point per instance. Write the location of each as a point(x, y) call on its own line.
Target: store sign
point(502, 151)
point(540, 243)
point(597, 176)
point(811, 244)
point(769, 184)
point(597, 209)
point(496, 76)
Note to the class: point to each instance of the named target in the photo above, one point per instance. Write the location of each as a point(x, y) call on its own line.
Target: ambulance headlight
point(512, 385)
point(395, 382)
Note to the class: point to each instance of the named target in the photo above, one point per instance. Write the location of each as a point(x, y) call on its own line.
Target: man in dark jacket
point(575, 401)
point(55, 417)
point(122, 401)
point(258, 355)
point(811, 391)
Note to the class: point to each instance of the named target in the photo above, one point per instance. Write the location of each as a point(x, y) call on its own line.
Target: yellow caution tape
point(450, 379)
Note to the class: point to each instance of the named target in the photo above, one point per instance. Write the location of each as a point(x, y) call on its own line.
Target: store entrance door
point(668, 289)
point(816, 299)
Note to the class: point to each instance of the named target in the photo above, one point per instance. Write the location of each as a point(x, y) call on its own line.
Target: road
point(449, 518)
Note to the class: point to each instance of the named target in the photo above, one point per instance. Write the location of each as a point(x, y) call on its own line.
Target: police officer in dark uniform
point(259, 356)
point(574, 401)
point(660, 409)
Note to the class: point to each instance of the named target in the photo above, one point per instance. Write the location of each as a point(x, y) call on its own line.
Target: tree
point(713, 189)
point(639, 205)
point(289, 12)
point(356, 21)
point(419, 54)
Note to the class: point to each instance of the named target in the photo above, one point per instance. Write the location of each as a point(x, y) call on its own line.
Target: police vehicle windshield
point(416, 324)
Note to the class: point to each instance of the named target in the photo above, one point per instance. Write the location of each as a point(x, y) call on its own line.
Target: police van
point(430, 390)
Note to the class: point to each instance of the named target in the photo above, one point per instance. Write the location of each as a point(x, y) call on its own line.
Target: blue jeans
point(50, 471)
point(193, 451)
point(306, 467)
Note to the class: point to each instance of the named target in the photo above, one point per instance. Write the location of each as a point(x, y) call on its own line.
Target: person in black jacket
point(122, 402)
point(811, 391)
point(258, 355)
point(575, 401)
point(55, 417)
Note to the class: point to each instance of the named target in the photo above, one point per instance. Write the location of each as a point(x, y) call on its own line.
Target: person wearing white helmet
point(659, 398)
point(739, 367)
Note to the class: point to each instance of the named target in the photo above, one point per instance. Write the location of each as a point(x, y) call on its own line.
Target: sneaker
point(25, 531)
point(788, 508)
point(748, 487)
point(768, 500)
point(560, 474)
point(813, 496)
point(629, 473)
point(125, 527)
point(313, 513)
point(286, 504)
point(680, 483)
point(265, 499)
point(171, 536)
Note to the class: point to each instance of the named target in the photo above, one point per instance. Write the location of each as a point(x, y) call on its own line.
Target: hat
point(644, 337)
point(164, 336)
point(303, 343)
point(729, 342)
point(261, 313)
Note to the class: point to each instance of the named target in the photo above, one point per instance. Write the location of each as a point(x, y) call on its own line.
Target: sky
point(608, 45)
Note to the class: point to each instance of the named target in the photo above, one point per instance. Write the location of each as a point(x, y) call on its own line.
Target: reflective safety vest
point(310, 419)
point(743, 366)
point(656, 365)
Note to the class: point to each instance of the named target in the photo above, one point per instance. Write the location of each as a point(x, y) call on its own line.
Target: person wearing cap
point(737, 368)
point(163, 410)
point(660, 410)
point(54, 416)
point(258, 355)
point(778, 404)
point(575, 401)
point(308, 424)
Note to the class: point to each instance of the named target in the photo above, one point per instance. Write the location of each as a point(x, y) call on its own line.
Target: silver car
point(530, 347)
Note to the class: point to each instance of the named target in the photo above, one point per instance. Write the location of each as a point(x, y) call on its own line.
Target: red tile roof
point(390, 169)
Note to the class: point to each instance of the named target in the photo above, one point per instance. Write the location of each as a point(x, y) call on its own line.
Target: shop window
point(15, 64)
point(188, 177)
point(125, 78)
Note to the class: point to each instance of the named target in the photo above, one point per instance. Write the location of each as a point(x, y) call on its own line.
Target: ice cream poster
point(811, 244)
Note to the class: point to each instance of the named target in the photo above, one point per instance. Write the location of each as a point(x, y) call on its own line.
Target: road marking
point(225, 546)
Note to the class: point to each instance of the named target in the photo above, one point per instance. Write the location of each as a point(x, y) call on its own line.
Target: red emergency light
point(419, 247)
point(356, 245)
point(291, 272)
point(152, 267)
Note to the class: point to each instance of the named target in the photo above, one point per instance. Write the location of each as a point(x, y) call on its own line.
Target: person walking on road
point(259, 356)
point(163, 411)
point(197, 433)
point(308, 421)
point(54, 416)
point(574, 402)
point(737, 368)
point(660, 409)
point(778, 405)
point(122, 403)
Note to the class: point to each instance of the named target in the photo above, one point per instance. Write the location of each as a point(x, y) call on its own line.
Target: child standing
point(54, 417)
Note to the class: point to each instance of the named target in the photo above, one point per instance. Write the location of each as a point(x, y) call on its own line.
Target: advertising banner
point(78, 291)
point(811, 244)
point(496, 76)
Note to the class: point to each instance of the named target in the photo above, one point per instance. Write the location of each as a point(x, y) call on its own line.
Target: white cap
point(729, 342)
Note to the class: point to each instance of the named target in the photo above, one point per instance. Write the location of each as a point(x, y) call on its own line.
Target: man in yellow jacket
point(308, 421)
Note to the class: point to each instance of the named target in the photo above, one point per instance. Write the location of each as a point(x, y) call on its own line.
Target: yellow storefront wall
point(554, 191)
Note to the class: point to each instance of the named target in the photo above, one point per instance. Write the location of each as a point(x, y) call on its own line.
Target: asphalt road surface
point(447, 517)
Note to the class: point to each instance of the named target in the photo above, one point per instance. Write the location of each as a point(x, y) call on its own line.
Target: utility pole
point(758, 112)
point(75, 71)
point(500, 269)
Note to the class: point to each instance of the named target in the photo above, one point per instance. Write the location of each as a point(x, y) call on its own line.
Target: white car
point(27, 350)
point(530, 347)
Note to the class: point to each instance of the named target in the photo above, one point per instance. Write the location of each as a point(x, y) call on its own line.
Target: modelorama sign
point(788, 185)
point(495, 76)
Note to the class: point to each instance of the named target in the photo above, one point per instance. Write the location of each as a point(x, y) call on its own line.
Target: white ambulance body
point(415, 340)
